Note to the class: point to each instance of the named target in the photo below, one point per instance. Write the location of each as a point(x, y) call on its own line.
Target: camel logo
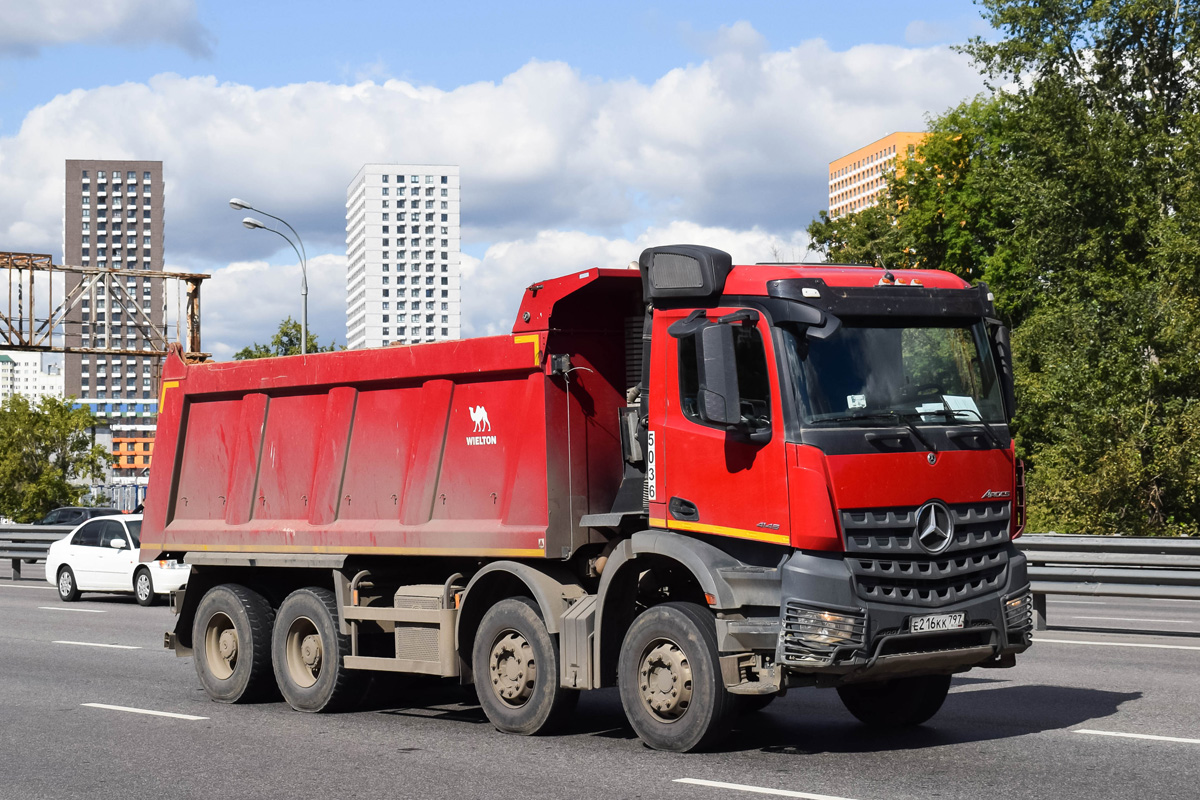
point(482, 425)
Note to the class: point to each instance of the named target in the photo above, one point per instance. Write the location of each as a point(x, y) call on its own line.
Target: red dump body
point(453, 448)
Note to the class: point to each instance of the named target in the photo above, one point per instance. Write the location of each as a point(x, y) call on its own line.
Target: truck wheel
point(307, 651)
point(68, 590)
point(143, 588)
point(231, 636)
point(898, 703)
point(515, 663)
point(670, 678)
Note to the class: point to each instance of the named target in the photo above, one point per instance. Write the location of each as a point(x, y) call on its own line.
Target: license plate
point(937, 622)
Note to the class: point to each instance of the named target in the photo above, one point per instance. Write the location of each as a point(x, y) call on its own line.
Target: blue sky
point(584, 131)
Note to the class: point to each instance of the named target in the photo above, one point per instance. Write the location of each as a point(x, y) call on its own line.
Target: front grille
point(890, 566)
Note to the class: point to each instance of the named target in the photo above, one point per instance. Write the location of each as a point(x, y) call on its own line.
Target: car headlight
point(170, 563)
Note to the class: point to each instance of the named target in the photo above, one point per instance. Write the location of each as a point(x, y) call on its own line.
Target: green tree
point(1072, 191)
point(43, 449)
point(285, 342)
point(864, 237)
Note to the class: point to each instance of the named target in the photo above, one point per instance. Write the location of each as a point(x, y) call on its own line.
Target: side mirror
point(720, 403)
point(1002, 349)
point(118, 544)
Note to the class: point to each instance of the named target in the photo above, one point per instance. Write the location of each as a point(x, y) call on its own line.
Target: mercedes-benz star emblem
point(935, 527)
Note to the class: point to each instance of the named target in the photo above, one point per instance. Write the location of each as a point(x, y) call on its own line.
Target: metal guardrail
point(28, 543)
point(1110, 566)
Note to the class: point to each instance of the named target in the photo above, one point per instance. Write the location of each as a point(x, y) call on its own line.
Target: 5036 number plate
point(937, 622)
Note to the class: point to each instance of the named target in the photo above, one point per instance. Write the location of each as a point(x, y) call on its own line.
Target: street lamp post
point(252, 223)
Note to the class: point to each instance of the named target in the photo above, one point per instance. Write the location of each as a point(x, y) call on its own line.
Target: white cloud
point(740, 140)
point(28, 25)
point(559, 170)
point(245, 302)
point(498, 280)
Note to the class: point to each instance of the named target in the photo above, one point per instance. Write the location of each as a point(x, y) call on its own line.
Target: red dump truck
point(703, 484)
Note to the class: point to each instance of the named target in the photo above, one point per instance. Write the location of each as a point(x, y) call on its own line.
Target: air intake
point(683, 270)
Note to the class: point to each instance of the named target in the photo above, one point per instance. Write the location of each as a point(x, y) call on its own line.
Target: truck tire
point(143, 588)
point(898, 703)
point(670, 679)
point(307, 652)
point(515, 662)
point(231, 635)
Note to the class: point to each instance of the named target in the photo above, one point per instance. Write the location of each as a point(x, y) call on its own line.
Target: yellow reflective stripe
point(537, 346)
point(163, 394)
point(720, 530)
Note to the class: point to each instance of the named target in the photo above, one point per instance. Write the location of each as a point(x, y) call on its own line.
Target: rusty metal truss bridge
point(31, 320)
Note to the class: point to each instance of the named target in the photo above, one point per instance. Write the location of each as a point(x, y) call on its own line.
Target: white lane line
point(142, 711)
point(1139, 736)
point(1119, 644)
point(64, 608)
point(757, 789)
point(97, 644)
point(1136, 619)
point(1079, 603)
point(19, 586)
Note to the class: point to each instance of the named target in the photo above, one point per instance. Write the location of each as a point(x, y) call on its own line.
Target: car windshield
point(880, 370)
point(135, 531)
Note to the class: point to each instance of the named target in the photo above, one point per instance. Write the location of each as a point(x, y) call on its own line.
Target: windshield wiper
point(951, 414)
point(891, 416)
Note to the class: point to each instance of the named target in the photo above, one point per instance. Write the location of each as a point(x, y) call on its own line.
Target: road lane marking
point(63, 608)
point(1136, 619)
point(1119, 644)
point(19, 586)
point(142, 711)
point(1079, 603)
point(1138, 736)
point(97, 644)
point(757, 789)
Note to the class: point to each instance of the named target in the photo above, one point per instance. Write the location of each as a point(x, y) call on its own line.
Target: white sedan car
point(101, 555)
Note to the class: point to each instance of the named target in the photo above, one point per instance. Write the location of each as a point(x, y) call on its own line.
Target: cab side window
point(88, 535)
point(754, 383)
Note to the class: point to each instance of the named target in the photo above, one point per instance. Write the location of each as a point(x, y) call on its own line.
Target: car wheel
point(898, 703)
point(231, 640)
point(143, 588)
point(515, 664)
point(68, 590)
point(307, 652)
point(670, 680)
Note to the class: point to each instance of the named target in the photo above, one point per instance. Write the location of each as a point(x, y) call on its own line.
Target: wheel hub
point(513, 668)
point(665, 680)
point(228, 645)
point(310, 651)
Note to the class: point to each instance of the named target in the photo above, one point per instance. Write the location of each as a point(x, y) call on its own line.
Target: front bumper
point(827, 634)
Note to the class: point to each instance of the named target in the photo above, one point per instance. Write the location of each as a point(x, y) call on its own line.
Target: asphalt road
point(1092, 711)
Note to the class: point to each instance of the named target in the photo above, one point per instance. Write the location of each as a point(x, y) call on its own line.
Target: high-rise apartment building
point(113, 218)
point(857, 179)
point(402, 255)
point(29, 374)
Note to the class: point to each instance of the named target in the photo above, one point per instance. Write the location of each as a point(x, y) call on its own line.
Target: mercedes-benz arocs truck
point(700, 483)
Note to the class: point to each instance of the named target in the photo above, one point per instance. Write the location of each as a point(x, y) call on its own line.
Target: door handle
point(683, 510)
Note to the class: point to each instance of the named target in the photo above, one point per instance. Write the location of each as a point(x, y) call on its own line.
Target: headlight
point(811, 634)
point(170, 563)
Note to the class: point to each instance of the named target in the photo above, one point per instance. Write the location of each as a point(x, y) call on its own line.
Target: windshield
point(886, 369)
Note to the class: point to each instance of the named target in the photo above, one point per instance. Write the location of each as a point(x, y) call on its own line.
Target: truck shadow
point(804, 722)
point(982, 714)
